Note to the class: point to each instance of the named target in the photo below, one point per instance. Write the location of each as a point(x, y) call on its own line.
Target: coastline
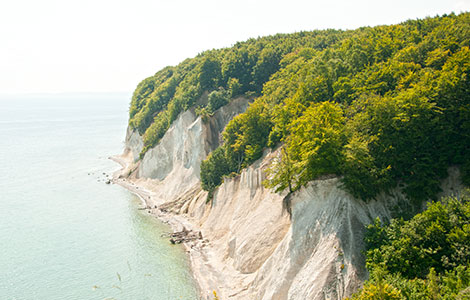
point(177, 223)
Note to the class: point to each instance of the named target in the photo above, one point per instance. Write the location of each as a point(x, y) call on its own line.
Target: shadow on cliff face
point(325, 245)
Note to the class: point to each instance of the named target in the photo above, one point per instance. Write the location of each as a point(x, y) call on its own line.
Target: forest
point(381, 107)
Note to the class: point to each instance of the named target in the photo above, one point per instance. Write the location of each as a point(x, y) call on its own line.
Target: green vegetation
point(215, 100)
point(313, 150)
point(224, 74)
point(423, 258)
point(382, 107)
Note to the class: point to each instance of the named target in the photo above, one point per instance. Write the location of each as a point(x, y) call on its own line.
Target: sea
point(64, 232)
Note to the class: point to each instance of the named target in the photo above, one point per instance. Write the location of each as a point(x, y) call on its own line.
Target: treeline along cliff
point(330, 129)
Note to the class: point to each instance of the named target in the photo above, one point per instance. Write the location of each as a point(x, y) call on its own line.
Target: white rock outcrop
point(172, 167)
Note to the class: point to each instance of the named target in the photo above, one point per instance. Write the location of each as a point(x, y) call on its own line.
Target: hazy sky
point(110, 45)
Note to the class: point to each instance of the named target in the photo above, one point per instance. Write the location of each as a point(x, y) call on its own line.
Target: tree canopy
point(381, 107)
point(241, 69)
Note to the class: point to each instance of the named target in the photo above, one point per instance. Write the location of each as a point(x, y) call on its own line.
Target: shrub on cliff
point(213, 168)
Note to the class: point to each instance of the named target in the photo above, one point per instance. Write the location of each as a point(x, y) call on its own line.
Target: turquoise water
point(64, 233)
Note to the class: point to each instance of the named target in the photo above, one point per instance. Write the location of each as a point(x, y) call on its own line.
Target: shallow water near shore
point(64, 233)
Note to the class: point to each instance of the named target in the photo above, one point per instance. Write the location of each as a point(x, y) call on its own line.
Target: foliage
point(243, 136)
point(404, 95)
point(403, 91)
point(209, 73)
point(314, 150)
point(241, 69)
point(216, 99)
point(423, 258)
point(438, 238)
point(234, 87)
point(281, 174)
point(213, 168)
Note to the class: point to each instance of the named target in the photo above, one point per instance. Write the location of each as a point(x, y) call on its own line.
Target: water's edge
point(66, 234)
point(167, 218)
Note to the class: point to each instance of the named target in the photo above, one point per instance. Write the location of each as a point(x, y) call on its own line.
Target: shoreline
point(175, 222)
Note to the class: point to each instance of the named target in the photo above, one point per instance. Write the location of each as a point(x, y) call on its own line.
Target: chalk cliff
point(256, 244)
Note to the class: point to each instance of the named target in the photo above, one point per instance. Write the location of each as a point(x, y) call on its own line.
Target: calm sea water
point(64, 233)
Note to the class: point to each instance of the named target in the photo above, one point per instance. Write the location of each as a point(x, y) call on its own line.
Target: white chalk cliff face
point(174, 163)
point(261, 245)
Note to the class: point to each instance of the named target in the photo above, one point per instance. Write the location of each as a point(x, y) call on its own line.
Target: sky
point(63, 46)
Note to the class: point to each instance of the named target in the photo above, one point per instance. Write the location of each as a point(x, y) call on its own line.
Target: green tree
point(267, 64)
point(234, 87)
point(210, 73)
point(314, 150)
point(213, 168)
point(281, 173)
point(217, 99)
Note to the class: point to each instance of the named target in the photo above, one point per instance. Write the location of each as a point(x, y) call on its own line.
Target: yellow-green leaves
point(382, 107)
point(312, 149)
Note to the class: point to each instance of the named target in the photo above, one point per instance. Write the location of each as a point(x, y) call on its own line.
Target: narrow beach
point(198, 249)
